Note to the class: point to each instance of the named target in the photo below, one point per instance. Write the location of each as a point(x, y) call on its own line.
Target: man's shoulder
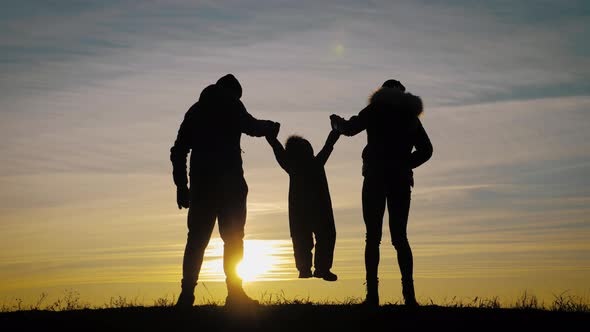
point(211, 92)
point(192, 110)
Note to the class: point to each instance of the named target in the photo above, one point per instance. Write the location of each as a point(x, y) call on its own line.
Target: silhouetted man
point(211, 131)
point(394, 130)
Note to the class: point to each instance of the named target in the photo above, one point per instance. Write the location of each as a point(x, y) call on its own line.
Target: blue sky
point(92, 93)
point(540, 43)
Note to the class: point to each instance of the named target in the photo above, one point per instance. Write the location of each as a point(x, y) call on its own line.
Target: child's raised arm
point(279, 151)
point(324, 154)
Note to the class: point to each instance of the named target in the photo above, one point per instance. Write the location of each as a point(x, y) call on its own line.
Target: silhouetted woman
point(396, 144)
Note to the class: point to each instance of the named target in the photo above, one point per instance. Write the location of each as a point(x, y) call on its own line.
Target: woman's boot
point(408, 293)
point(372, 298)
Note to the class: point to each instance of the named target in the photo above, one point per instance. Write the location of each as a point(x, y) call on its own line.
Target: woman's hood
point(404, 101)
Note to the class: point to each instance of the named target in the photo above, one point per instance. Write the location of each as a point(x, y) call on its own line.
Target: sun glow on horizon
point(264, 260)
point(258, 260)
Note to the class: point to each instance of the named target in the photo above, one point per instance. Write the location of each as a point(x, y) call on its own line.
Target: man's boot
point(187, 295)
point(372, 298)
point(408, 293)
point(236, 296)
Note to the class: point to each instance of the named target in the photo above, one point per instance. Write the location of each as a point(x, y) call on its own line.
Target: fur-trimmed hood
point(404, 101)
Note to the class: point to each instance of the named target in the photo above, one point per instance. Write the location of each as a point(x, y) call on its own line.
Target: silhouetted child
point(310, 205)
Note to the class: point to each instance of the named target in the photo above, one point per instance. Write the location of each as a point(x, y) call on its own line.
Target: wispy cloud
point(451, 53)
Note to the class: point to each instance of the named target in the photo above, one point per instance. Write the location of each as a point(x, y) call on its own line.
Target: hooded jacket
point(211, 132)
point(396, 140)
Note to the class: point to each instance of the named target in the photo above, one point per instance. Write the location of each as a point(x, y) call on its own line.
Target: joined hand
point(275, 130)
point(334, 121)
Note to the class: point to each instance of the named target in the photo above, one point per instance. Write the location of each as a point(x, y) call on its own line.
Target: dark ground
point(296, 317)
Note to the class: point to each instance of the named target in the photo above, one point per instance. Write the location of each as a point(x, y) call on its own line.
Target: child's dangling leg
point(302, 246)
point(324, 252)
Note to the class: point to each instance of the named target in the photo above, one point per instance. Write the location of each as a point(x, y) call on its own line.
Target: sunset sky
point(92, 94)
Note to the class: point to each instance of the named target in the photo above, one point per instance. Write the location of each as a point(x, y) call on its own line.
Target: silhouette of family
point(215, 188)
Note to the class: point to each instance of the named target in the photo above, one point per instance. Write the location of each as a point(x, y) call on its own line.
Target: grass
point(279, 313)
point(71, 300)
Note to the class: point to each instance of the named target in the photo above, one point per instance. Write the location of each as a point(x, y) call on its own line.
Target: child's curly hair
point(298, 148)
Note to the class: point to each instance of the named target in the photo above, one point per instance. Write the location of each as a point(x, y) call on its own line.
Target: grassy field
point(276, 314)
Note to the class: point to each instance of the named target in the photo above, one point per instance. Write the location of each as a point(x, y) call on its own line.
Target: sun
point(258, 259)
point(263, 260)
point(338, 49)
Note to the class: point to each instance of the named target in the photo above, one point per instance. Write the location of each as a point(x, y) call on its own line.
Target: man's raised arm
point(254, 127)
